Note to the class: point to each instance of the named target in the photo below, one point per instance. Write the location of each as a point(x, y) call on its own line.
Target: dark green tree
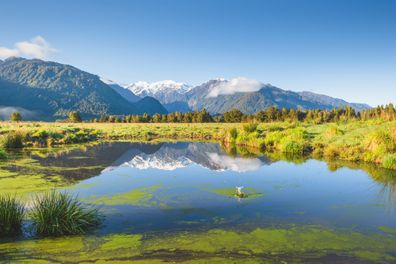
point(233, 116)
point(16, 117)
point(74, 117)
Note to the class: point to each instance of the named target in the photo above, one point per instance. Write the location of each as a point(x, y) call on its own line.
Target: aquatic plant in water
point(59, 213)
point(289, 244)
point(12, 213)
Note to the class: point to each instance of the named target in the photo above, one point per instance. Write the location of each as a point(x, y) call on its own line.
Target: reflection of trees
point(72, 163)
point(84, 161)
point(385, 177)
point(251, 152)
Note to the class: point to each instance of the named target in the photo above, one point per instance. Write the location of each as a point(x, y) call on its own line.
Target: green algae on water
point(136, 197)
point(293, 243)
point(23, 185)
point(387, 229)
point(250, 192)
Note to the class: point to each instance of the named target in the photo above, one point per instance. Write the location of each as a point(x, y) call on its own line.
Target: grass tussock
point(250, 127)
point(389, 161)
point(13, 139)
point(333, 131)
point(12, 213)
point(58, 213)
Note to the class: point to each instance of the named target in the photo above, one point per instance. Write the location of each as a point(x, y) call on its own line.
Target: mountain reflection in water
point(170, 156)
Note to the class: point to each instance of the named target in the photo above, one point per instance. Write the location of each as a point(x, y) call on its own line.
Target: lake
point(177, 202)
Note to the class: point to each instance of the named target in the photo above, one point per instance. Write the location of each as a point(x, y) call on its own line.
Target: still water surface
point(176, 201)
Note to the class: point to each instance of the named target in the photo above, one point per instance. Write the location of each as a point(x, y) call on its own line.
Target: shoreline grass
point(370, 141)
point(12, 213)
point(59, 213)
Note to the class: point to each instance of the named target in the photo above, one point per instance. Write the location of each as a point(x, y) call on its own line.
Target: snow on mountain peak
point(143, 162)
point(145, 88)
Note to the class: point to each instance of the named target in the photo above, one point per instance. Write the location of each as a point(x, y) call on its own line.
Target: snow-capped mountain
point(220, 95)
point(166, 91)
point(145, 161)
point(144, 88)
point(172, 156)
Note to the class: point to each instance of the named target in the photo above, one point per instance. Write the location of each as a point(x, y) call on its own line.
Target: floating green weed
point(137, 197)
point(290, 244)
point(250, 192)
point(387, 229)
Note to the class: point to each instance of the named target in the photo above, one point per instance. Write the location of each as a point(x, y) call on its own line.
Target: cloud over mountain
point(236, 85)
point(37, 47)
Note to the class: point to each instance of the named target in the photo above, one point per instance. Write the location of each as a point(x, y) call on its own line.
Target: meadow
point(369, 141)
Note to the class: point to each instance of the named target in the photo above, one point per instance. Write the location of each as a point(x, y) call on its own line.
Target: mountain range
point(52, 89)
point(183, 97)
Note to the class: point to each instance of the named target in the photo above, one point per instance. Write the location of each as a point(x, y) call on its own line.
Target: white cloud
point(234, 164)
point(240, 84)
point(5, 52)
point(37, 47)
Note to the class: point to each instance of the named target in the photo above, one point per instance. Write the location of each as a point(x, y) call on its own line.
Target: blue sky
point(342, 48)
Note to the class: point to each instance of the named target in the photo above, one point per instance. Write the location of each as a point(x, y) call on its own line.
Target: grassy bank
point(370, 141)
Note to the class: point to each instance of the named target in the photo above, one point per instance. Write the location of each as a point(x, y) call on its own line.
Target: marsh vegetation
point(370, 141)
point(12, 213)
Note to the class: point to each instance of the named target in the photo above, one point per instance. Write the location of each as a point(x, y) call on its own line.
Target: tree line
point(271, 114)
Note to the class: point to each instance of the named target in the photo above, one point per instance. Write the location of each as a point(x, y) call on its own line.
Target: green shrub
point(381, 141)
point(275, 128)
point(16, 117)
point(56, 213)
point(333, 131)
point(40, 134)
point(331, 152)
point(13, 139)
point(389, 161)
point(233, 133)
point(250, 127)
point(11, 215)
point(74, 117)
point(293, 147)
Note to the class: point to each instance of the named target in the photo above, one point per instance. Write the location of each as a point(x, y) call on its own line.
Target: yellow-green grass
point(371, 141)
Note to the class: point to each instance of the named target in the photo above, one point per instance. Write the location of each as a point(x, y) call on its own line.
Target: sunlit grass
point(371, 141)
point(13, 139)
